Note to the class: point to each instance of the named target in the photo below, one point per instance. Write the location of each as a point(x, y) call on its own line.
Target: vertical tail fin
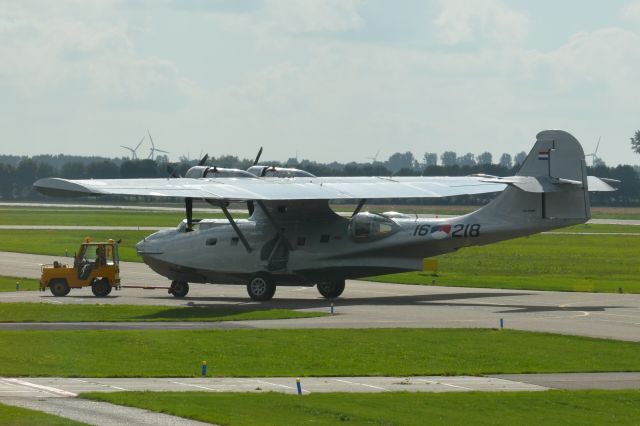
point(556, 162)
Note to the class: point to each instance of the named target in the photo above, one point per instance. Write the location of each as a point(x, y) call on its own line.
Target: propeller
point(173, 173)
point(203, 160)
point(188, 204)
point(255, 162)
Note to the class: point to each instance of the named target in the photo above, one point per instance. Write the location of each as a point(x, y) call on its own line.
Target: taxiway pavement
point(362, 305)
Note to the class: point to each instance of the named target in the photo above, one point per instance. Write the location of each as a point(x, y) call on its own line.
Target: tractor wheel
point(261, 287)
point(179, 288)
point(101, 288)
point(59, 287)
point(331, 289)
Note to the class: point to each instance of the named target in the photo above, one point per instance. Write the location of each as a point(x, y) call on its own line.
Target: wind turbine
point(152, 153)
point(133, 150)
point(374, 158)
point(593, 155)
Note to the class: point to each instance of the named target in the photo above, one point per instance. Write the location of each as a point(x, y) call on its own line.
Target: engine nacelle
point(272, 171)
point(197, 172)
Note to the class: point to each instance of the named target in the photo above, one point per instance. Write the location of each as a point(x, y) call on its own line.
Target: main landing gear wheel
point(101, 288)
point(179, 288)
point(331, 289)
point(261, 287)
point(59, 288)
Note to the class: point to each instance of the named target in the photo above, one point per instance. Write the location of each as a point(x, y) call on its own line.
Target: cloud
point(314, 16)
point(464, 21)
point(631, 12)
point(49, 46)
point(608, 57)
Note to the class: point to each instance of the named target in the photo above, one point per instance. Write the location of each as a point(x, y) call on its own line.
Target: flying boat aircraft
point(293, 237)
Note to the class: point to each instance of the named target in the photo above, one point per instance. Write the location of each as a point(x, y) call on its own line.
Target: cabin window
point(212, 241)
point(369, 226)
point(324, 238)
point(234, 241)
point(302, 241)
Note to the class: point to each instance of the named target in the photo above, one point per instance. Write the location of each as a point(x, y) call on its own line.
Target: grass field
point(475, 408)
point(9, 284)
point(16, 416)
point(56, 242)
point(595, 263)
point(324, 352)
point(600, 229)
point(46, 312)
point(142, 217)
point(97, 217)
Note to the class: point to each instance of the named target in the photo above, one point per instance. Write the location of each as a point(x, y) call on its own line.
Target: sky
point(322, 80)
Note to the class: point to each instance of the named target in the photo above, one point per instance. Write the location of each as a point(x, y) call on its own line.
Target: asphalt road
point(363, 305)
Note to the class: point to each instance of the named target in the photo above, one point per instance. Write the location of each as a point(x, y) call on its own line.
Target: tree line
point(17, 177)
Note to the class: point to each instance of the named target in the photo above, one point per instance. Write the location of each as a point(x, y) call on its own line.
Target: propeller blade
point(188, 204)
point(258, 156)
point(203, 160)
point(173, 173)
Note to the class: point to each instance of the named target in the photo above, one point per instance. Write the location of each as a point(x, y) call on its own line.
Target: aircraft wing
point(298, 188)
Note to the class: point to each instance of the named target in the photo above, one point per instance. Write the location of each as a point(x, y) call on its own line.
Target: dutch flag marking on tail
point(543, 155)
point(439, 232)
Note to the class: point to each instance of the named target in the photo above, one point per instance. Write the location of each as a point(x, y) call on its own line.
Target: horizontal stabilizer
point(540, 184)
point(597, 184)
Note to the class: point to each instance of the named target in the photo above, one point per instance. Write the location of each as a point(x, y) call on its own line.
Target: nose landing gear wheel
point(331, 289)
point(261, 287)
point(179, 288)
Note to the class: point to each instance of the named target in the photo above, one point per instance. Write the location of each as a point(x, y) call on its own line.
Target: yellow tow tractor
point(95, 264)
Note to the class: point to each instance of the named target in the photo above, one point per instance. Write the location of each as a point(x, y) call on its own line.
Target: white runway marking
point(360, 384)
point(100, 384)
point(433, 382)
point(47, 389)
point(192, 385)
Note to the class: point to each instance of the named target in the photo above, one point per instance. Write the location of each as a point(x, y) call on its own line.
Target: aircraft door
point(275, 254)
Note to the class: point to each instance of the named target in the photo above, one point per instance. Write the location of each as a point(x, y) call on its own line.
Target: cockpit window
point(369, 226)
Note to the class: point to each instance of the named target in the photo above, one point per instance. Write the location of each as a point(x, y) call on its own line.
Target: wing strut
point(275, 225)
point(359, 207)
point(233, 223)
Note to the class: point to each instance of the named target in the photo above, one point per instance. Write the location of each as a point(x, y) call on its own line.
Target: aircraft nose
point(148, 247)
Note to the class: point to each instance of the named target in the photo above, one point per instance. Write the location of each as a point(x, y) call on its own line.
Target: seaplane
point(292, 236)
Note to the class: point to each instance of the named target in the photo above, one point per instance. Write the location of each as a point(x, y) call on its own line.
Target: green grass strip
point(474, 408)
point(594, 263)
point(47, 312)
point(324, 352)
point(17, 416)
point(9, 283)
point(587, 228)
point(56, 242)
point(97, 217)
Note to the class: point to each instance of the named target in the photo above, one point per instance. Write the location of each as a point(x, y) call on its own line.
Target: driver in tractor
point(87, 265)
